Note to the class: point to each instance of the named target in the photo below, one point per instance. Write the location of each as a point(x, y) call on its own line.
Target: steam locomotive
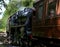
point(20, 26)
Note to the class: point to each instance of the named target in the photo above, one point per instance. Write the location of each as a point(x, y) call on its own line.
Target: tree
point(27, 3)
point(2, 2)
point(13, 7)
point(1, 25)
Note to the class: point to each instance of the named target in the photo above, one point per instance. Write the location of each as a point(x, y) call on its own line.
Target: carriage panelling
point(49, 24)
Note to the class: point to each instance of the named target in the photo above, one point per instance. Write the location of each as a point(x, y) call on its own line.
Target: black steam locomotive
point(20, 26)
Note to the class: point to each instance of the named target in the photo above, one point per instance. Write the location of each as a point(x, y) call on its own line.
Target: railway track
point(36, 42)
point(46, 42)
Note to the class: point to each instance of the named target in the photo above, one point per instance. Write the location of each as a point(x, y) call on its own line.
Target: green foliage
point(1, 25)
point(12, 7)
point(27, 3)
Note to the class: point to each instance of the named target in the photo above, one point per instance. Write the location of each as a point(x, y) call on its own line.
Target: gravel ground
point(3, 40)
point(4, 45)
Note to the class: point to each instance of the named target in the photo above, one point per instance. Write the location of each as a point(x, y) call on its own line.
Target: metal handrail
point(18, 26)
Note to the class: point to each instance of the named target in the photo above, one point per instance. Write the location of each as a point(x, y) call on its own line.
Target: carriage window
point(51, 13)
point(40, 11)
point(51, 9)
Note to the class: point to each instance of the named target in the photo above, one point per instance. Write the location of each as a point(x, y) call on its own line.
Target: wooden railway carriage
point(46, 21)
